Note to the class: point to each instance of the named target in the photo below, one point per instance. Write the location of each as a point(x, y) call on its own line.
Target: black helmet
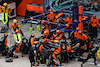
point(41, 40)
point(5, 34)
point(97, 46)
point(32, 35)
point(43, 36)
point(16, 44)
point(47, 7)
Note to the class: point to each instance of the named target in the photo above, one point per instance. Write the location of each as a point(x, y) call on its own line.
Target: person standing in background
point(6, 9)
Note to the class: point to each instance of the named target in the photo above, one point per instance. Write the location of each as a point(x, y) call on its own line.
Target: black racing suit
point(64, 52)
point(2, 45)
point(91, 55)
point(12, 49)
point(32, 55)
point(25, 46)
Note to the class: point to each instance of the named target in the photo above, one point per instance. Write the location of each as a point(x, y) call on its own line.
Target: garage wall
point(21, 5)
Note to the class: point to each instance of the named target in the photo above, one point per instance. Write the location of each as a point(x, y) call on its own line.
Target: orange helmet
point(43, 22)
point(13, 25)
point(58, 31)
point(6, 34)
point(15, 21)
point(32, 35)
point(45, 33)
point(5, 4)
point(94, 16)
point(50, 10)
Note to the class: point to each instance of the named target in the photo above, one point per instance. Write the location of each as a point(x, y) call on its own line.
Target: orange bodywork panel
point(30, 8)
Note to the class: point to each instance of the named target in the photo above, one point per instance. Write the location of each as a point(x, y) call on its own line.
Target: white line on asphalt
point(93, 63)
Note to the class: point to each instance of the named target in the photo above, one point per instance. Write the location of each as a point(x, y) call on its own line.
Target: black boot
point(81, 65)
